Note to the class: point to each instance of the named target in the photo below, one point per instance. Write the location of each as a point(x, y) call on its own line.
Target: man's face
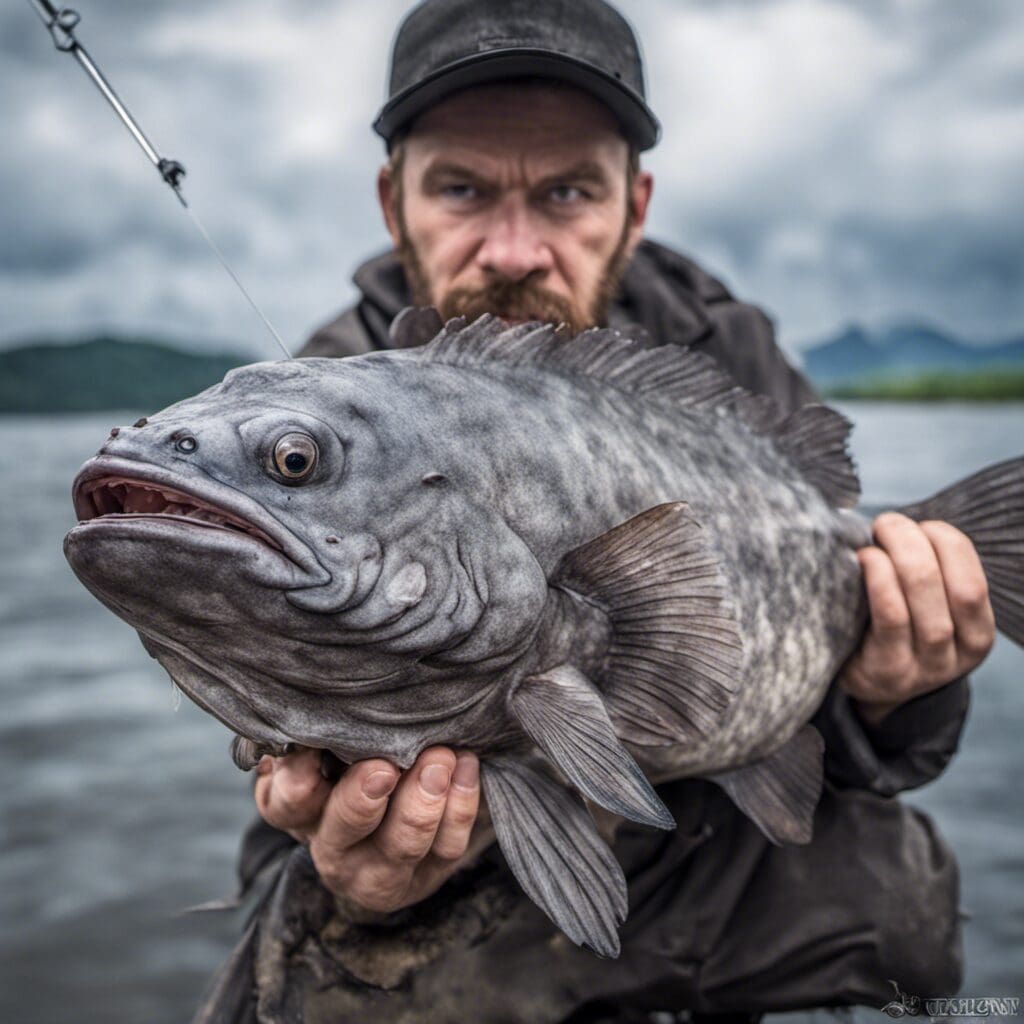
point(515, 199)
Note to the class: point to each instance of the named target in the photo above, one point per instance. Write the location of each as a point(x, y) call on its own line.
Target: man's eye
point(565, 194)
point(460, 193)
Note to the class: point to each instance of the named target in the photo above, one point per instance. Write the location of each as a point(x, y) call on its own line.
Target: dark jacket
point(719, 919)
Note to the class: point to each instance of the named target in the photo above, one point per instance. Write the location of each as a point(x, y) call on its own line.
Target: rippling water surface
point(119, 808)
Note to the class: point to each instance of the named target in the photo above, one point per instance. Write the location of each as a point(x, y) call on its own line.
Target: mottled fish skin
point(534, 464)
point(434, 579)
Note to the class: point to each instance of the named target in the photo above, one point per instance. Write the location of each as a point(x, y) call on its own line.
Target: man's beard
point(524, 299)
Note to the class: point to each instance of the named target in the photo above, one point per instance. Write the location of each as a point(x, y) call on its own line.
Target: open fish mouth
point(116, 490)
point(125, 496)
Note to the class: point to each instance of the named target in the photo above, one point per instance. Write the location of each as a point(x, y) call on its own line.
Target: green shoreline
point(108, 372)
point(990, 385)
point(105, 374)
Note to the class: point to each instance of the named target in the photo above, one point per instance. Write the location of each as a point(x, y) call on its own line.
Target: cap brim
point(640, 126)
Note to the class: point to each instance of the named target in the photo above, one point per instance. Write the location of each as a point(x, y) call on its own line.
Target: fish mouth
point(109, 490)
point(123, 496)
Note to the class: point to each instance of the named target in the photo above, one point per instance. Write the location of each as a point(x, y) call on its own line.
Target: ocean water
point(120, 807)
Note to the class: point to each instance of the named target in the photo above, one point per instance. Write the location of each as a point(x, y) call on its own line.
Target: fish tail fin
point(989, 508)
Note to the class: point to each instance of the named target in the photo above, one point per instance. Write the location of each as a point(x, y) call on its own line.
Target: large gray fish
point(593, 562)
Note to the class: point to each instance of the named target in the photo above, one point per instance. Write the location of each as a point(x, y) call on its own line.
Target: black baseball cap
point(444, 46)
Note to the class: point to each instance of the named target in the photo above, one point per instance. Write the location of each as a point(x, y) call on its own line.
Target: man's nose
point(513, 247)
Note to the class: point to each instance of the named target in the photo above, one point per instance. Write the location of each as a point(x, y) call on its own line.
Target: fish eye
point(295, 456)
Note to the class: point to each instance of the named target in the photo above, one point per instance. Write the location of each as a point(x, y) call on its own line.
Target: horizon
point(222, 346)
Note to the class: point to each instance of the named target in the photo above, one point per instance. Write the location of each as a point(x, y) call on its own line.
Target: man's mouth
point(111, 496)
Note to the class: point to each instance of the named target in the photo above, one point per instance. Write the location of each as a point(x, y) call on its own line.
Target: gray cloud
point(833, 159)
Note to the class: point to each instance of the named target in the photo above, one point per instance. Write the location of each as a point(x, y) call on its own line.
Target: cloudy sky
point(833, 160)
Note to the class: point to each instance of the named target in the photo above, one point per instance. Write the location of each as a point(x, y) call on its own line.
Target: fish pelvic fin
point(553, 849)
point(989, 508)
point(780, 792)
point(564, 714)
point(676, 649)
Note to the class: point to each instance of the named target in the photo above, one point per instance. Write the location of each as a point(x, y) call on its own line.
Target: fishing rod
point(61, 25)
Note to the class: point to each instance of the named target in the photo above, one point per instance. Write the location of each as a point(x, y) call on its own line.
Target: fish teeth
point(207, 516)
point(112, 496)
point(138, 499)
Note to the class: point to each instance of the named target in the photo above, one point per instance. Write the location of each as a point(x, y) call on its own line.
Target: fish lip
point(206, 490)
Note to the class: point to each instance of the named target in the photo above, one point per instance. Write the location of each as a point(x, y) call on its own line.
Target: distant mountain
point(106, 372)
point(856, 355)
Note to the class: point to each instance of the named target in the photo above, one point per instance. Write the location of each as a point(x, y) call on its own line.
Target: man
point(513, 186)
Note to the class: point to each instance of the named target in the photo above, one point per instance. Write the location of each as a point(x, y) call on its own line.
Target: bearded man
point(513, 186)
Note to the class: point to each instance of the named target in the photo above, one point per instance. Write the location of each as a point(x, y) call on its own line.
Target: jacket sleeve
point(913, 744)
point(909, 747)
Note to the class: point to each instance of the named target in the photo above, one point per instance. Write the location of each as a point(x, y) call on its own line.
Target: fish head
point(293, 542)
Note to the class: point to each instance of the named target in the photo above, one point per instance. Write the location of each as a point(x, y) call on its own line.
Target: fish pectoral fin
point(780, 792)
point(675, 651)
point(564, 714)
point(552, 846)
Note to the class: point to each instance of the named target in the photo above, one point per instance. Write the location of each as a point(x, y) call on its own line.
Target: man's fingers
point(415, 811)
point(931, 618)
point(890, 616)
point(966, 589)
point(917, 567)
point(456, 826)
point(355, 808)
point(884, 665)
point(291, 795)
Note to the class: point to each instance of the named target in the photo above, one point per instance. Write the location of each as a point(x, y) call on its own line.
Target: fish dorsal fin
point(780, 792)
point(563, 713)
point(414, 326)
point(667, 372)
point(814, 438)
point(675, 651)
point(553, 849)
point(813, 441)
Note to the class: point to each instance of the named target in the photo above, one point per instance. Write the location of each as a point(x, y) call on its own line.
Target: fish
point(596, 562)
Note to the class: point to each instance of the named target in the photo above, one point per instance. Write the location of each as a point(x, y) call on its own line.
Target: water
point(118, 811)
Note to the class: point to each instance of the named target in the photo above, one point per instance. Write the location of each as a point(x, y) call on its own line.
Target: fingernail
point(435, 778)
point(467, 773)
point(379, 783)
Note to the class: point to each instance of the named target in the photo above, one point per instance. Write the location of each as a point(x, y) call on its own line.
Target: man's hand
point(931, 619)
point(380, 838)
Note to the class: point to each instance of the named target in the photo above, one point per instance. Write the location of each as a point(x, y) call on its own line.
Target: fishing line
point(61, 25)
point(234, 277)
